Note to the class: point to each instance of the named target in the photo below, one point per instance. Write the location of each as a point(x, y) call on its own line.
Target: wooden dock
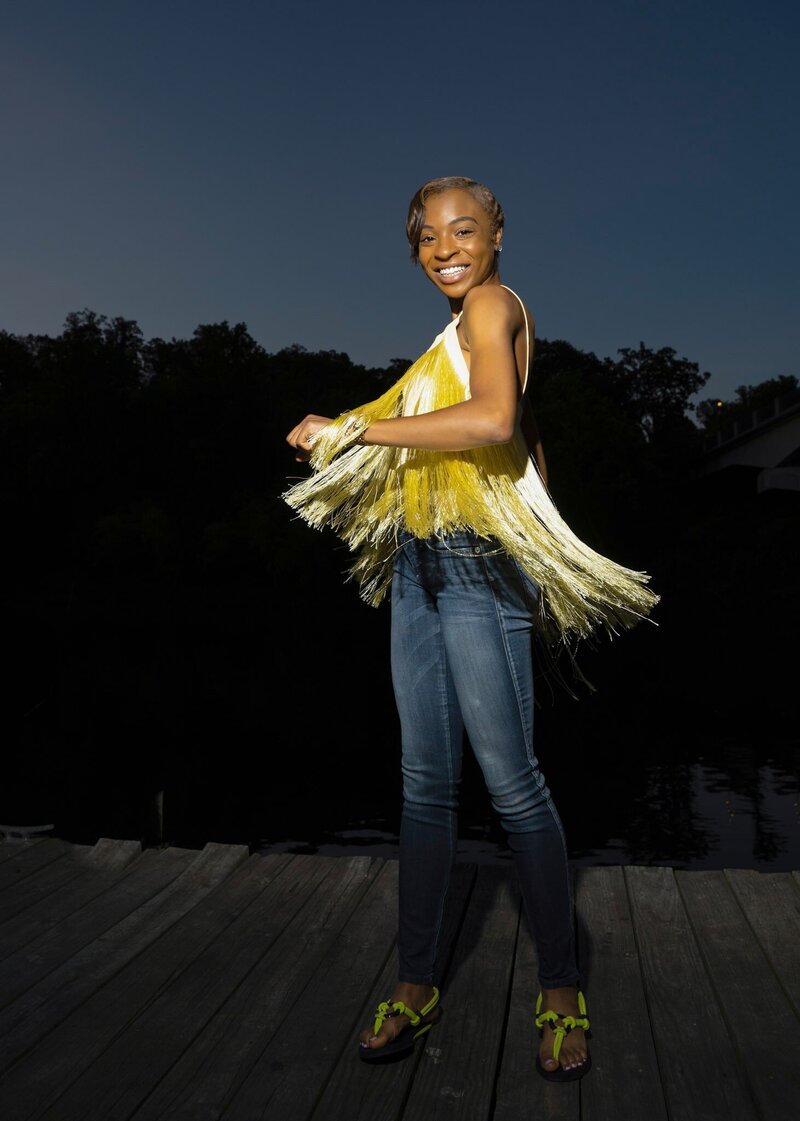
point(192, 985)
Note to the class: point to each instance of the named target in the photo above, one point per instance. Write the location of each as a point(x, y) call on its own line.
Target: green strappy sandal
point(403, 1043)
point(561, 1031)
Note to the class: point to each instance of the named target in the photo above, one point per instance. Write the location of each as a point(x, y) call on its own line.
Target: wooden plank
point(113, 1050)
point(216, 983)
point(459, 1069)
point(101, 939)
point(623, 1054)
point(359, 1092)
point(771, 902)
point(520, 1091)
point(318, 1033)
point(28, 858)
point(760, 1019)
point(699, 1065)
point(10, 849)
point(36, 957)
point(622, 1046)
point(302, 1069)
point(308, 954)
point(29, 890)
point(113, 854)
point(82, 880)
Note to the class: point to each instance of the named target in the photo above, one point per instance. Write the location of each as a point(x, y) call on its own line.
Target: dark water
point(223, 723)
point(687, 814)
point(730, 804)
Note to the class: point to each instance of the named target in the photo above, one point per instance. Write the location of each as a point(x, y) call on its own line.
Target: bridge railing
point(755, 419)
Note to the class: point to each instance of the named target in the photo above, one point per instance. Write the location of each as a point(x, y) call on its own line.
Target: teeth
point(452, 269)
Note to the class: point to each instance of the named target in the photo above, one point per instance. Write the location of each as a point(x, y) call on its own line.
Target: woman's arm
point(489, 416)
point(490, 321)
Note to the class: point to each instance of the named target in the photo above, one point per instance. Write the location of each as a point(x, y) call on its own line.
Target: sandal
point(403, 1043)
point(560, 1031)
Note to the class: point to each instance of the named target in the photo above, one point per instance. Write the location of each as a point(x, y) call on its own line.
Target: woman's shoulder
point(497, 300)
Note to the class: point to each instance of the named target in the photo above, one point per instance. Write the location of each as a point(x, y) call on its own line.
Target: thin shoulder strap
point(527, 337)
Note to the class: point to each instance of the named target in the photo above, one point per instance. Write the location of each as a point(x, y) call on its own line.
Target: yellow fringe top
point(368, 494)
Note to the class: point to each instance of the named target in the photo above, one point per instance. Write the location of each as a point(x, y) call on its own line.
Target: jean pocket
point(464, 543)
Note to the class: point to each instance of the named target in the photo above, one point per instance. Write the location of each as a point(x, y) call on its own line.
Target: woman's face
point(456, 246)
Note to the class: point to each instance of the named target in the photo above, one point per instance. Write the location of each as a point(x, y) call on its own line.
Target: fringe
point(368, 494)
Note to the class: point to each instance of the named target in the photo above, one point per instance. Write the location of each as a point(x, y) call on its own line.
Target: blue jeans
point(462, 617)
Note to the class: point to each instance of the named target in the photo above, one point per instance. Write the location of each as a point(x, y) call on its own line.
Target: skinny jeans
point(461, 630)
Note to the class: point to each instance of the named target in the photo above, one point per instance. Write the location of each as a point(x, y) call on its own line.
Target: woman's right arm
point(302, 435)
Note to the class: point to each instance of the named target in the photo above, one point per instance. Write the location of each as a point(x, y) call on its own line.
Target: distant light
point(718, 404)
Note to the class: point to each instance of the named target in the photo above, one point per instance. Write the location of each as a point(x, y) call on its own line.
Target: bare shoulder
point(495, 305)
point(490, 296)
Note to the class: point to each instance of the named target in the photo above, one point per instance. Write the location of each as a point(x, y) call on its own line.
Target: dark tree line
point(172, 625)
point(164, 460)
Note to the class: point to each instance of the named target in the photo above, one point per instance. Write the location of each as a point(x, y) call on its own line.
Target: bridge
point(768, 439)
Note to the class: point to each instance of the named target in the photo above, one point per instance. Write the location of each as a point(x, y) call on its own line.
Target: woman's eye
point(464, 233)
point(425, 239)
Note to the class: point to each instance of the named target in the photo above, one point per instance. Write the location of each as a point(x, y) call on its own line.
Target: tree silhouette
point(654, 388)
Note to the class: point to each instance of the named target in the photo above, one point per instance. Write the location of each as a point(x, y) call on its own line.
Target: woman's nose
point(445, 248)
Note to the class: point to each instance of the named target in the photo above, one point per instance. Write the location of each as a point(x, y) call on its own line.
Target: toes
point(367, 1039)
point(547, 1060)
point(384, 1036)
point(573, 1059)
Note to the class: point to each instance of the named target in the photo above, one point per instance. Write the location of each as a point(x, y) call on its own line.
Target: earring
point(499, 249)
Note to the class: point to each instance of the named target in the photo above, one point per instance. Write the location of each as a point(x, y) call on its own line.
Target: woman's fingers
point(302, 436)
point(295, 439)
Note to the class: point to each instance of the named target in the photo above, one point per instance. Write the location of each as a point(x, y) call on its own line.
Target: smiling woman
point(440, 488)
point(481, 195)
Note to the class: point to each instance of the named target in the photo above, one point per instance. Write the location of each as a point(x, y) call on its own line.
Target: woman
point(439, 487)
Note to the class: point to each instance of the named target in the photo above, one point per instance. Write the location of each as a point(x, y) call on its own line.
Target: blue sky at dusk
point(188, 163)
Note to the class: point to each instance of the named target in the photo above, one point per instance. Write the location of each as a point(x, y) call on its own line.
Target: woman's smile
point(451, 273)
point(457, 247)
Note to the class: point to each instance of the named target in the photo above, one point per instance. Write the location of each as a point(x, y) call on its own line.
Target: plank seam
point(233, 1090)
point(348, 1042)
point(416, 1058)
point(110, 1041)
point(646, 994)
point(760, 944)
point(506, 1014)
point(159, 992)
point(55, 1023)
point(235, 1086)
point(743, 1071)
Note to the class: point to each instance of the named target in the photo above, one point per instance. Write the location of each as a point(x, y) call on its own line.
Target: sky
point(188, 163)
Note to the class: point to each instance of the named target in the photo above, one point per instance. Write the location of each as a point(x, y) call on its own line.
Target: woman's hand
point(302, 435)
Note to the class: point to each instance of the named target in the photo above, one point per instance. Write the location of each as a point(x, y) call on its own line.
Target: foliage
point(616, 428)
point(654, 388)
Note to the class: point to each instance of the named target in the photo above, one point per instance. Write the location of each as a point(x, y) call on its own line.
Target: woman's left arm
point(490, 414)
